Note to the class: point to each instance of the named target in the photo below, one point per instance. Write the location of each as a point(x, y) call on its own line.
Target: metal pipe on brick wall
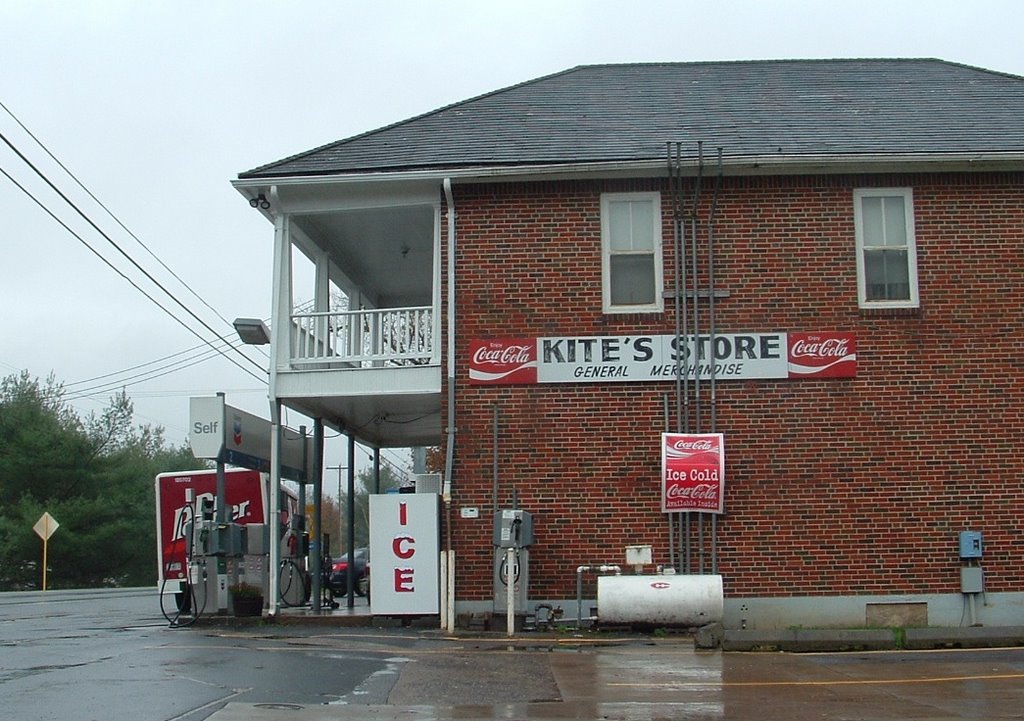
point(679, 303)
point(696, 286)
point(579, 586)
point(671, 516)
point(494, 457)
point(448, 623)
point(450, 329)
point(678, 297)
point(712, 217)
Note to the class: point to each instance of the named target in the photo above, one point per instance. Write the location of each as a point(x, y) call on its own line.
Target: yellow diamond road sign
point(45, 526)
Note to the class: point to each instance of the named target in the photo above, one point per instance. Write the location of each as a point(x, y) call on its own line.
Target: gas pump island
point(214, 526)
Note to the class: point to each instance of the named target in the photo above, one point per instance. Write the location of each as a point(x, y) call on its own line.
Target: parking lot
point(110, 654)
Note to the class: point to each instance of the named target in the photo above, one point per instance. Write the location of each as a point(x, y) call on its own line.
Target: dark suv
point(338, 580)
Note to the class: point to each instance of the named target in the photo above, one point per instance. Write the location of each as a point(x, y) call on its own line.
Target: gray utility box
point(972, 579)
point(513, 528)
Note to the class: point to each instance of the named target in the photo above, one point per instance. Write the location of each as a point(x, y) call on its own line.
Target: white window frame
point(606, 253)
point(911, 247)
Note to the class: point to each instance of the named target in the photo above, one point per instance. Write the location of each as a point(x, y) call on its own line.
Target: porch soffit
point(388, 251)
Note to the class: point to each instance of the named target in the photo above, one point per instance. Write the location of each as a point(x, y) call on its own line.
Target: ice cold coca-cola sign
point(692, 472)
point(637, 358)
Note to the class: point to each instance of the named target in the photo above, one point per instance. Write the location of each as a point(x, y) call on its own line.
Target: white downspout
point(448, 622)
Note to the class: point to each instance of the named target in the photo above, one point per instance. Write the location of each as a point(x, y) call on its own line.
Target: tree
point(435, 459)
point(94, 475)
point(335, 519)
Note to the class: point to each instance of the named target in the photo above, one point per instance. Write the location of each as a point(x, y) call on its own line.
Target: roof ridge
point(980, 69)
point(765, 61)
point(794, 61)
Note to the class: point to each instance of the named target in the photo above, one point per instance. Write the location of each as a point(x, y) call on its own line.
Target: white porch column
point(322, 297)
point(281, 304)
point(275, 506)
point(280, 352)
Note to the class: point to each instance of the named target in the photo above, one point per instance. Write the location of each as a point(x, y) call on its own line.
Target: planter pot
point(248, 606)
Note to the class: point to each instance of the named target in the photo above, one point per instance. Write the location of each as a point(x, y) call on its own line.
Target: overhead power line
point(159, 372)
point(117, 379)
point(117, 220)
point(129, 369)
point(135, 285)
point(128, 257)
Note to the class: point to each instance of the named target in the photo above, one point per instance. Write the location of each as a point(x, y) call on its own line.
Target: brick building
point(848, 237)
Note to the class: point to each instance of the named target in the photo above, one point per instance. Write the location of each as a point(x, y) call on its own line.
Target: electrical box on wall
point(513, 529)
point(970, 544)
point(972, 579)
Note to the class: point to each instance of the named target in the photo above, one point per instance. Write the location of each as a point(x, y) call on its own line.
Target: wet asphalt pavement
point(668, 680)
point(91, 655)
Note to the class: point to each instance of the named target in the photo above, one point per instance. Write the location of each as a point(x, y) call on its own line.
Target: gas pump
point(293, 580)
point(180, 573)
point(208, 542)
point(513, 535)
point(211, 544)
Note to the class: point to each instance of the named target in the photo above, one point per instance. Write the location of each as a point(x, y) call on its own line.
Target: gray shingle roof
point(627, 113)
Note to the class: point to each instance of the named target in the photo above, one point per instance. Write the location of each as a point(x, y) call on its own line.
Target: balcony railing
point(364, 338)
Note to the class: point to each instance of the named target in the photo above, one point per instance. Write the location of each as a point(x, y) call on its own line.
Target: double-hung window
point(886, 255)
point(631, 265)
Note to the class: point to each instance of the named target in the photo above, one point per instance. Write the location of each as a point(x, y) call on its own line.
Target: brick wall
point(839, 486)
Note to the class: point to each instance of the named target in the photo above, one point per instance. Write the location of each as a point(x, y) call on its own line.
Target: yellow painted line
point(867, 682)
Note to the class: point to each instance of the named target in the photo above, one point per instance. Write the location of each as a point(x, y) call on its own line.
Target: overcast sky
point(156, 106)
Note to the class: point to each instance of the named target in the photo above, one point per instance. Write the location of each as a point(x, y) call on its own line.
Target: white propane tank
point(670, 600)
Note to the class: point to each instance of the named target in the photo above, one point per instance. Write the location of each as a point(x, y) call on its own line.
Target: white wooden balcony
point(389, 337)
point(378, 370)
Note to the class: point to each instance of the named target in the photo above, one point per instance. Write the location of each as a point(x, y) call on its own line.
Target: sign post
point(44, 528)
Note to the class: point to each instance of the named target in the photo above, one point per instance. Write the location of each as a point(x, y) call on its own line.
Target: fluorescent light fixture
point(252, 331)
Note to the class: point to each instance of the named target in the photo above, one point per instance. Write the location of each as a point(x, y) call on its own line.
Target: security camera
point(260, 201)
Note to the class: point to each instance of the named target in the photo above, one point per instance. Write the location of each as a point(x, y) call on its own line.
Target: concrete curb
point(966, 637)
point(810, 639)
point(709, 637)
point(805, 640)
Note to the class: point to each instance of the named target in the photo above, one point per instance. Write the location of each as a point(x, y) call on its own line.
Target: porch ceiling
point(387, 252)
point(397, 421)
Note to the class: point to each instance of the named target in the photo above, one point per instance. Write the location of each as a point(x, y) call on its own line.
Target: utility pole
point(341, 515)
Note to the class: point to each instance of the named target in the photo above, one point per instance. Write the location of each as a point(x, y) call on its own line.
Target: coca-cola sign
point(503, 361)
point(692, 472)
point(822, 355)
